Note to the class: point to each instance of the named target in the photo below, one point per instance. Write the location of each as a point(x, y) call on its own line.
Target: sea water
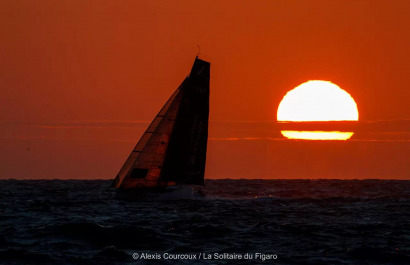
point(224, 222)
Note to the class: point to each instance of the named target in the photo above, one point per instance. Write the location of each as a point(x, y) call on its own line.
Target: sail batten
point(173, 148)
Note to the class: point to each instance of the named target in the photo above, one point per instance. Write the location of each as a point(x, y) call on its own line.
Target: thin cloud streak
point(80, 124)
point(285, 139)
point(85, 122)
point(228, 139)
point(220, 130)
point(23, 138)
point(244, 138)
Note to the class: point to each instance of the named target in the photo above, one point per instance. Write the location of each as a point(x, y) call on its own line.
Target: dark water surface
point(301, 221)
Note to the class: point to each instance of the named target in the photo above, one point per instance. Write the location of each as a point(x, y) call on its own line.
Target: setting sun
point(317, 101)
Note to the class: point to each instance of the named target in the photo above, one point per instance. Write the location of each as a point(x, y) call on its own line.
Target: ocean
point(225, 222)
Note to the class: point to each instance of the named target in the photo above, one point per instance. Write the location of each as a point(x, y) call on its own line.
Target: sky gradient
point(81, 80)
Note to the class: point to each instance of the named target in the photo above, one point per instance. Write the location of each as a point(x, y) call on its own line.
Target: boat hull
point(176, 192)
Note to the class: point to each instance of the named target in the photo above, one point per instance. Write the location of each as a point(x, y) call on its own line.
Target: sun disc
point(315, 101)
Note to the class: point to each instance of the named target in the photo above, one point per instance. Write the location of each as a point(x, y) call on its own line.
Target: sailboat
point(172, 150)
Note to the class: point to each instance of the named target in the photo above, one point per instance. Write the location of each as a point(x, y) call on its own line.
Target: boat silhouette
point(172, 151)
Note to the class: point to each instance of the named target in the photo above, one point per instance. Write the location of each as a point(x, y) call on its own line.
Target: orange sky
point(79, 81)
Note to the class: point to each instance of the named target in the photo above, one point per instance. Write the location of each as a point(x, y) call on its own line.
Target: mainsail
point(173, 148)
